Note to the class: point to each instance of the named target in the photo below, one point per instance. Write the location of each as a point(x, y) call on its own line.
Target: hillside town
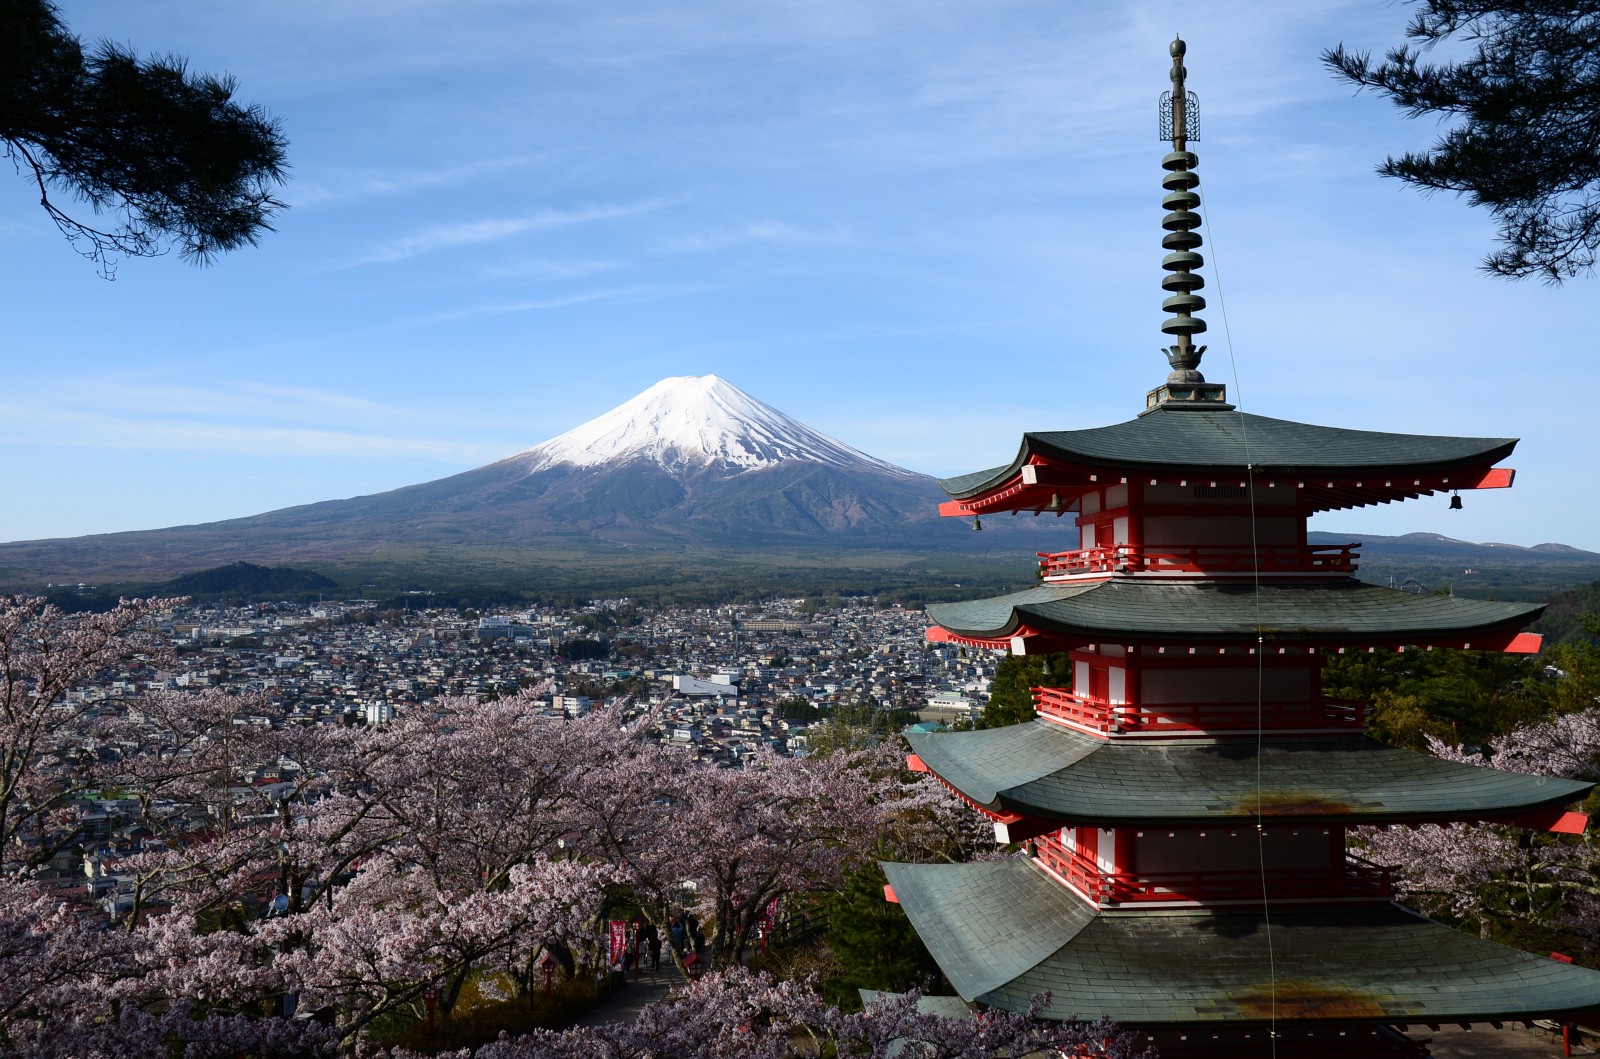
point(725, 681)
point(719, 673)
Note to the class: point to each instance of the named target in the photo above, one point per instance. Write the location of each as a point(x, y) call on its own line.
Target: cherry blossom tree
point(44, 656)
point(1505, 875)
point(390, 937)
point(304, 883)
point(72, 989)
point(723, 843)
point(406, 859)
point(739, 1015)
point(480, 787)
point(243, 811)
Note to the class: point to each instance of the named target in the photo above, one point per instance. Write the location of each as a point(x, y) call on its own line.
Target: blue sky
point(921, 227)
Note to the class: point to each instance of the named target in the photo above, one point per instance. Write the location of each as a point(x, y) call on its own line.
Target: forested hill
point(1562, 621)
point(246, 579)
point(1433, 562)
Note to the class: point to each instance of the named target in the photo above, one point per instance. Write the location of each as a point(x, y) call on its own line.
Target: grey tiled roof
point(1232, 441)
point(1041, 769)
point(986, 923)
point(1153, 969)
point(1327, 612)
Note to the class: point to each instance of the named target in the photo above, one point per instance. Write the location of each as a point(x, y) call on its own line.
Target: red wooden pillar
point(1135, 510)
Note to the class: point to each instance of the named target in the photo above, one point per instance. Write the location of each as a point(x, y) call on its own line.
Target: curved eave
point(1335, 468)
point(1004, 934)
point(1334, 613)
point(1043, 771)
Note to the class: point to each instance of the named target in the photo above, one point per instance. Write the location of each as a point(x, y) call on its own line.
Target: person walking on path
point(652, 944)
point(678, 933)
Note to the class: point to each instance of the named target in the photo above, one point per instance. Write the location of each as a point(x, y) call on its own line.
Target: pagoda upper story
point(1297, 468)
point(1192, 488)
point(1181, 492)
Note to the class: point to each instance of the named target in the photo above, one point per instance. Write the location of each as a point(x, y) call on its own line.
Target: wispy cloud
point(543, 269)
point(776, 232)
point(641, 292)
point(494, 230)
point(134, 397)
point(89, 430)
point(246, 416)
point(337, 186)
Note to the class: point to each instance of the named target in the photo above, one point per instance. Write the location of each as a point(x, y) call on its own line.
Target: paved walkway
point(624, 1005)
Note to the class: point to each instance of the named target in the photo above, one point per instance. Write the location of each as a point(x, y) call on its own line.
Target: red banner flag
point(619, 941)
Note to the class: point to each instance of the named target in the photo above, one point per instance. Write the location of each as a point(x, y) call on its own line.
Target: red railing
point(1354, 878)
point(1196, 718)
point(1202, 560)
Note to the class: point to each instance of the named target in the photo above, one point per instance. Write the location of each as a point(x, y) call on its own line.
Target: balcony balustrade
point(1201, 561)
point(1355, 878)
point(1197, 718)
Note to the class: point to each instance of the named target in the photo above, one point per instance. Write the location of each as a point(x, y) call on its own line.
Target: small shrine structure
point(1183, 811)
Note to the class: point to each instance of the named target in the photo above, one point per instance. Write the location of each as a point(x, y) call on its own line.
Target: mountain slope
point(692, 465)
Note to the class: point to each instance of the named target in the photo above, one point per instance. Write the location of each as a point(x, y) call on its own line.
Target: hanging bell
point(1055, 502)
point(976, 524)
point(1455, 502)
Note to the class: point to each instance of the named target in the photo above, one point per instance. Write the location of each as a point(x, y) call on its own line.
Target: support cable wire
point(1261, 645)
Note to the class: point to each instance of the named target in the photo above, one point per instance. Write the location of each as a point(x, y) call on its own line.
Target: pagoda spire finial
point(1185, 387)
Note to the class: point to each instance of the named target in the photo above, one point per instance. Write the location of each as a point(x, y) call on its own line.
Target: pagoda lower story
point(1006, 932)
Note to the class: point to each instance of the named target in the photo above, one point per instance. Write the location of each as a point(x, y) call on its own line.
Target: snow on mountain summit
point(690, 422)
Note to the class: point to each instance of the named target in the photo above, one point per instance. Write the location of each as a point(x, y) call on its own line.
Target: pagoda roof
point(1129, 610)
point(1237, 442)
point(1043, 770)
point(1003, 933)
point(1330, 467)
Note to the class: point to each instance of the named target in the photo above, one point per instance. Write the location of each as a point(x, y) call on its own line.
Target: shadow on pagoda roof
point(1004, 933)
point(1042, 769)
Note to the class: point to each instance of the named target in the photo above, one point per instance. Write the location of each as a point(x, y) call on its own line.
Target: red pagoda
point(1183, 811)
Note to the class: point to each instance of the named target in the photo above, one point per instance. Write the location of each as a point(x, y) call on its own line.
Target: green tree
point(1522, 113)
point(580, 648)
point(851, 726)
point(872, 941)
point(797, 708)
point(1464, 698)
point(166, 153)
point(1579, 662)
point(1011, 694)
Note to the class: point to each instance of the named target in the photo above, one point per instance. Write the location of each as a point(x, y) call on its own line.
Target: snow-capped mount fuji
point(689, 423)
point(697, 461)
point(692, 466)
